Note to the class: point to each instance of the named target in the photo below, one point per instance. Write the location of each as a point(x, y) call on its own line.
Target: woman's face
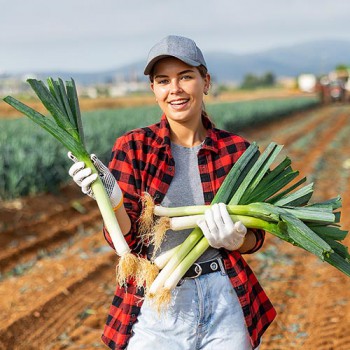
point(179, 89)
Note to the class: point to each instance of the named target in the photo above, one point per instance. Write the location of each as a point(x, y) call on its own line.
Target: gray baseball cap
point(184, 49)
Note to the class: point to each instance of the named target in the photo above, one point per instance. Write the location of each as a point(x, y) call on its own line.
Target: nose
point(175, 86)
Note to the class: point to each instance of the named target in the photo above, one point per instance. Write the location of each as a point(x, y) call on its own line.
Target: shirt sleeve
point(121, 167)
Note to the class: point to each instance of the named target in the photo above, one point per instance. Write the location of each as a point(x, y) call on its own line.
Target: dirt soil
point(57, 272)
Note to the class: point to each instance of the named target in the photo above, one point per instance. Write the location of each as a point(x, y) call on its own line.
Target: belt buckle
point(198, 270)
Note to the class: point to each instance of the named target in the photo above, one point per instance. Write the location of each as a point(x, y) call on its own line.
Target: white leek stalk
point(108, 214)
point(161, 260)
point(175, 260)
point(187, 222)
point(179, 211)
point(161, 292)
point(186, 263)
point(149, 270)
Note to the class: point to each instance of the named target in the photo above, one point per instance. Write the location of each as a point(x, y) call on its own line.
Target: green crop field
point(32, 161)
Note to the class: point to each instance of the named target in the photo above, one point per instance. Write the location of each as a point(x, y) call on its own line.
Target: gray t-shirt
point(185, 189)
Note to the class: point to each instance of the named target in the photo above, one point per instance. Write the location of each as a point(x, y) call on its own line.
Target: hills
point(317, 57)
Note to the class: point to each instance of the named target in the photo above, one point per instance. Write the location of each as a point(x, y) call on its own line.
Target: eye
point(186, 77)
point(162, 81)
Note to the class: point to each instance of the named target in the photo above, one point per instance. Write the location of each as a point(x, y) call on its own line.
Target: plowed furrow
point(54, 294)
point(37, 329)
point(308, 158)
point(46, 236)
point(55, 215)
point(288, 130)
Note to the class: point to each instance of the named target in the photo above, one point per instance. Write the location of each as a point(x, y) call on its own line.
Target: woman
point(182, 160)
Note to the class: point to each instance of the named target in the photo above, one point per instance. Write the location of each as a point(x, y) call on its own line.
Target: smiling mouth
point(178, 102)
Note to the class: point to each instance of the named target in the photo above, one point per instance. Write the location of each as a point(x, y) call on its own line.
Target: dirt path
point(57, 273)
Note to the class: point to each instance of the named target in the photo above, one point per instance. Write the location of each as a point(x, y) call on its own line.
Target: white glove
point(219, 229)
point(83, 177)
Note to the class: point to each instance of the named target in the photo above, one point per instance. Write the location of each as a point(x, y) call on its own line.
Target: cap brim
point(152, 62)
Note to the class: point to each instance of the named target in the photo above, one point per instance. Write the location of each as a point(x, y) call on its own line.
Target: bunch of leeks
point(61, 101)
point(261, 199)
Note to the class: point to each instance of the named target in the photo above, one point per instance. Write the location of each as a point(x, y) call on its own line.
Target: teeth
point(179, 102)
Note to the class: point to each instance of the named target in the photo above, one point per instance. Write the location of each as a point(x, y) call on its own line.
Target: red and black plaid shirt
point(142, 162)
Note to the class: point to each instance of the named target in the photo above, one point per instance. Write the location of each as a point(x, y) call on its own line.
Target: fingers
point(225, 217)
point(87, 182)
point(202, 224)
point(208, 234)
point(209, 226)
point(94, 158)
point(82, 174)
point(72, 157)
point(220, 230)
point(240, 228)
point(211, 216)
point(75, 168)
point(98, 164)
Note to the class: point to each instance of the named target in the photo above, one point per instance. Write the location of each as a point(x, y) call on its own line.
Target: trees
point(251, 81)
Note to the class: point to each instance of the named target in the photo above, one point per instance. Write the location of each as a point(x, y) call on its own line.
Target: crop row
point(32, 161)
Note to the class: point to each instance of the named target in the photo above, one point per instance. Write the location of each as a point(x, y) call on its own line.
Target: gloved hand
point(83, 177)
point(219, 229)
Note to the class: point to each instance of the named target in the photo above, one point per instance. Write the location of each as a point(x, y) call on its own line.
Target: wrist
point(116, 195)
point(119, 204)
point(249, 242)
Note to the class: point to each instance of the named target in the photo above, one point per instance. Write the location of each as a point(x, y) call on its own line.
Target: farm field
point(148, 99)
point(57, 272)
point(21, 140)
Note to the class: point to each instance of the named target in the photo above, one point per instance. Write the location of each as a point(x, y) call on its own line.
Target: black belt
point(203, 268)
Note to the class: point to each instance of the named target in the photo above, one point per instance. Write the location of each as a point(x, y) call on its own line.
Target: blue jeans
point(204, 314)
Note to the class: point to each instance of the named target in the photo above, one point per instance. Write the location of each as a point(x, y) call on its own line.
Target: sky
point(98, 35)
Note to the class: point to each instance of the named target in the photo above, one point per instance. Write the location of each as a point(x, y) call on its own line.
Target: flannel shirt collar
point(210, 142)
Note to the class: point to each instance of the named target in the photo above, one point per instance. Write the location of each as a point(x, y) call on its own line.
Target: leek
point(161, 260)
point(158, 284)
point(283, 211)
point(171, 282)
point(179, 223)
point(262, 210)
point(62, 103)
